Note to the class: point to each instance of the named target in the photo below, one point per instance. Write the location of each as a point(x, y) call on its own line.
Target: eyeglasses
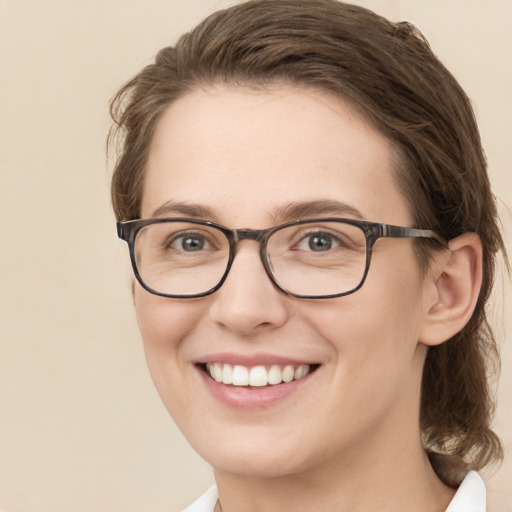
point(310, 259)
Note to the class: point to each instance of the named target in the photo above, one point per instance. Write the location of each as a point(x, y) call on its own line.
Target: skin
point(349, 438)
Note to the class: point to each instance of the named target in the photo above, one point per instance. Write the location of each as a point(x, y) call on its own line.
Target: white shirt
point(470, 497)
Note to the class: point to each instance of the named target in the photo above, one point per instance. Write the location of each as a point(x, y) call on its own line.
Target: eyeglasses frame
point(127, 231)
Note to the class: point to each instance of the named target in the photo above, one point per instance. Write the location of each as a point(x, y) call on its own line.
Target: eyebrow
point(300, 210)
point(282, 214)
point(192, 210)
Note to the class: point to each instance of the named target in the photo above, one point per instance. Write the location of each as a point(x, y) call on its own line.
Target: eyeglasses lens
point(324, 258)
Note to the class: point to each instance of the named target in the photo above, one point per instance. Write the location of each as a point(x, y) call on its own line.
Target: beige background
point(81, 428)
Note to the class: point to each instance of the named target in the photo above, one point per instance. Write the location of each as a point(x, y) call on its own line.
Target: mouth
point(256, 377)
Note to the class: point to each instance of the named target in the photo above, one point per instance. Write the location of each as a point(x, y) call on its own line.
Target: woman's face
point(244, 158)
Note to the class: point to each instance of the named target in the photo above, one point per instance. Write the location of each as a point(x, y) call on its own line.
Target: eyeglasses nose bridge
point(257, 235)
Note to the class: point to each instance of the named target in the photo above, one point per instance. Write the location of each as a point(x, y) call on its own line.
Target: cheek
point(164, 325)
point(373, 336)
point(162, 321)
point(378, 317)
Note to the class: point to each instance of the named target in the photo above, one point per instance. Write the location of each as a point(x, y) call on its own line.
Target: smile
point(256, 376)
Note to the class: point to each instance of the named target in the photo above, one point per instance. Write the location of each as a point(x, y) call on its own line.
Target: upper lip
point(252, 360)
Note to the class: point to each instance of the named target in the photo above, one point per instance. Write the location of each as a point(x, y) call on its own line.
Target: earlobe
point(454, 280)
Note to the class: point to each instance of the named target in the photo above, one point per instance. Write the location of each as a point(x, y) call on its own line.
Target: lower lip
point(251, 398)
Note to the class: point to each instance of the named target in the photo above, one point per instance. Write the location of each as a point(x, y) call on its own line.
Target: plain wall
point(81, 427)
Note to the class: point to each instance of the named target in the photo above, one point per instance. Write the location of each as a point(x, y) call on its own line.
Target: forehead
point(245, 154)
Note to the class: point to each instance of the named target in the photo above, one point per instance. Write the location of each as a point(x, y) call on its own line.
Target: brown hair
point(389, 71)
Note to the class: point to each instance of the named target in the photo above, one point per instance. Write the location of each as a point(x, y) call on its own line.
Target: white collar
point(205, 503)
point(470, 497)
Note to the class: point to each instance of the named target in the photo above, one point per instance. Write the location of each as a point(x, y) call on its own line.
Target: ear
point(452, 287)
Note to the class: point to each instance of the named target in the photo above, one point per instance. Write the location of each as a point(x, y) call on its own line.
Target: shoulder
point(205, 503)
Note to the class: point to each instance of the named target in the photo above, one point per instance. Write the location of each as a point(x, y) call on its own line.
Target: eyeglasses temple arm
point(391, 231)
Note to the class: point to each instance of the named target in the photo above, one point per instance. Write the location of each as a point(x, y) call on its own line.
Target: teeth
point(288, 373)
point(217, 373)
point(301, 371)
point(227, 374)
point(240, 375)
point(275, 375)
point(257, 376)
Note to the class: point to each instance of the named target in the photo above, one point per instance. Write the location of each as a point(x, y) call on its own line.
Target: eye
point(318, 241)
point(189, 242)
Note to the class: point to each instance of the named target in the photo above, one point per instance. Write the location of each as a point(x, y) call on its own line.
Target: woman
point(305, 198)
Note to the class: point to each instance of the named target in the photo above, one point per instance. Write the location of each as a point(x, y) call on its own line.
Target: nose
point(248, 303)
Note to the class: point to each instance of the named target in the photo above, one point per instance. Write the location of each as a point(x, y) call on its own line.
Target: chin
point(253, 459)
point(261, 468)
